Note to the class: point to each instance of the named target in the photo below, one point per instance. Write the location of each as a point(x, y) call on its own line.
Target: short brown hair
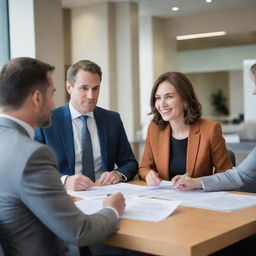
point(85, 65)
point(193, 110)
point(19, 77)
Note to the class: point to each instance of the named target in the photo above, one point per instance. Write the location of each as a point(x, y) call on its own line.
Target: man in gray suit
point(37, 217)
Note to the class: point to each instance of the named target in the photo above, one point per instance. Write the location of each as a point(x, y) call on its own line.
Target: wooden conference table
point(187, 232)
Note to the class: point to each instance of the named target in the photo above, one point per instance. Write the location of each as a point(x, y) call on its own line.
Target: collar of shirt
point(75, 113)
point(29, 129)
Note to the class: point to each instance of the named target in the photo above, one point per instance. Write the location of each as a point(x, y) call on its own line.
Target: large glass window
point(4, 33)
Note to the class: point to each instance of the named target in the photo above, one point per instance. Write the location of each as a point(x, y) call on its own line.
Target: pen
point(185, 175)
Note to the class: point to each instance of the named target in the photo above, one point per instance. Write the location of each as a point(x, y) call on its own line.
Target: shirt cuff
point(63, 179)
point(122, 176)
point(202, 183)
point(115, 211)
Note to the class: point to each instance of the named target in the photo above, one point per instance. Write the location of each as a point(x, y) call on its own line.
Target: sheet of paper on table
point(137, 208)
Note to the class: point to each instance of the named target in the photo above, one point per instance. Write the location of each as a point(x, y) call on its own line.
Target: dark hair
point(253, 70)
point(19, 77)
point(193, 109)
point(85, 65)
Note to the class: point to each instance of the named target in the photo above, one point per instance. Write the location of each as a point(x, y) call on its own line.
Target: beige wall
point(236, 98)
point(48, 35)
point(207, 83)
point(38, 34)
point(90, 40)
point(107, 33)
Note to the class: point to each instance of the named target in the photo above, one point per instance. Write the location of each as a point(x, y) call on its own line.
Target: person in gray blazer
point(37, 216)
point(229, 180)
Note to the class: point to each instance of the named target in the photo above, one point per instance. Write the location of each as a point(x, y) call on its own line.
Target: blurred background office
point(212, 41)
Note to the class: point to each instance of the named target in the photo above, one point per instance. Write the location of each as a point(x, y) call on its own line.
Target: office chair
point(1, 251)
point(232, 157)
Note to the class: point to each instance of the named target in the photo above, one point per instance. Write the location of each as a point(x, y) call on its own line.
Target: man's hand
point(188, 183)
point(78, 182)
point(153, 178)
point(108, 178)
point(116, 201)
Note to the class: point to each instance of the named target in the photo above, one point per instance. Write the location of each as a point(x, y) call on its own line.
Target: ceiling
point(162, 8)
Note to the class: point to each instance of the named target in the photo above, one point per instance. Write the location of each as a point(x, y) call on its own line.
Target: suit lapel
point(102, 133)
point(66, 133)
point(193, 147)
point(164, 151)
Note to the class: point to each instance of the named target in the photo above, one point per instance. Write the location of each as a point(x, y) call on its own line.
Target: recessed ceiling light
point(208, 1)
point(175, 9)
point(201, 35)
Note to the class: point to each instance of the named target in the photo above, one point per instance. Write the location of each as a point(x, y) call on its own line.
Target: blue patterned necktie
point(87, 153)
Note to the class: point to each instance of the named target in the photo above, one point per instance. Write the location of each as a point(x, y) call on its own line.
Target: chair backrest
point(1, 251)
point(232, 157)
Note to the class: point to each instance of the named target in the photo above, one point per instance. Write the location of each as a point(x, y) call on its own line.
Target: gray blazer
point(37, 217)
point(233, 178)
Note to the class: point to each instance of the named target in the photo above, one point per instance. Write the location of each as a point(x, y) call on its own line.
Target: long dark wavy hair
point(193, 108)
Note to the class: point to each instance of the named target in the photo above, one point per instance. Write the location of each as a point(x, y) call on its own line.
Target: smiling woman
point(230, 180)
point(179, 141)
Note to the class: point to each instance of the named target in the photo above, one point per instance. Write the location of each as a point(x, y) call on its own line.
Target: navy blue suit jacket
point(114, 145)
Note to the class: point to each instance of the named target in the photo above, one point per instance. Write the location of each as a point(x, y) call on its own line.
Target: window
point(4, 33)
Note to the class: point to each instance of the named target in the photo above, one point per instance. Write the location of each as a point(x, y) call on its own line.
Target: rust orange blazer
point(206, 150)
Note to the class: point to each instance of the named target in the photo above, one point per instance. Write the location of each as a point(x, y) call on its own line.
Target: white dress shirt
point(77, 135)
point(77, 124)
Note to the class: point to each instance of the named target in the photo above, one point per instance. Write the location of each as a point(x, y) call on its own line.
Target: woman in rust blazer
point(178, 140)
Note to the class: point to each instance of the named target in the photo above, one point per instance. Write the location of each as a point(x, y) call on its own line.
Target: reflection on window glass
point(4, 33)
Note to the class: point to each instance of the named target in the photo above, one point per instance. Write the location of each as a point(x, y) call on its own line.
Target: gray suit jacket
point(37, 217)
point(233, 178)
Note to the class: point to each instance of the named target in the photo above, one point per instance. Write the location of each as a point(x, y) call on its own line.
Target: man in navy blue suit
point(110, 146)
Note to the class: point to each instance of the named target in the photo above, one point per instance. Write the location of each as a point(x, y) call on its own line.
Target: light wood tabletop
point(187, 232)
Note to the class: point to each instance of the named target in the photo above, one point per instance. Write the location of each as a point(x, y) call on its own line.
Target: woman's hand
point(153, 178)
point(188, 184)
point(176, 179)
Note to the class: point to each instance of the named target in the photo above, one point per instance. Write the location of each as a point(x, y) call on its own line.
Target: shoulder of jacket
point(207, 124)
point(106, 111)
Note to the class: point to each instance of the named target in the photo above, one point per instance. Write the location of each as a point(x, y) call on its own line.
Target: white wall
point(236, 100)
point(218, 59)
point(22, 28)
point(90, 40)
point(145, 68)
point(127, 75)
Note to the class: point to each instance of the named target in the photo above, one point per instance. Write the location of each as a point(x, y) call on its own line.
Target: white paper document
point(184, 196)
point(163, 184)
point(226, 202)
point(137, 208)
point(124, 188)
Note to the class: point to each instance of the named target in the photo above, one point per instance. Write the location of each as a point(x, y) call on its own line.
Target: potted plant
point(218, 101)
